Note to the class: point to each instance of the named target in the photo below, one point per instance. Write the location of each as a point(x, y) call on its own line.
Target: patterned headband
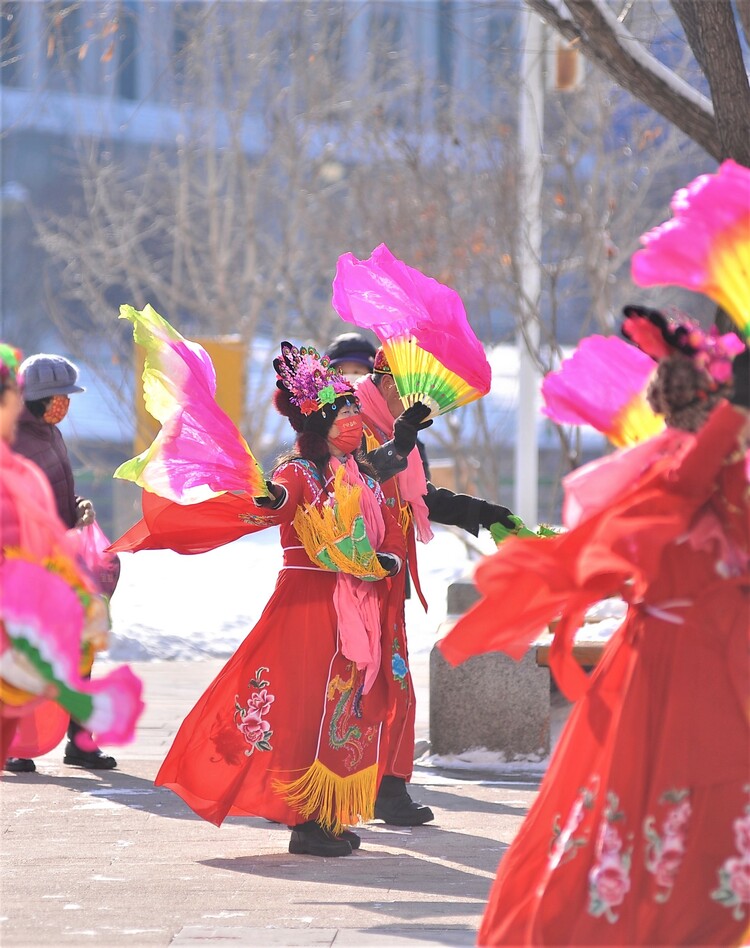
point(381, 363)
point(310, 379)
point(660, 336)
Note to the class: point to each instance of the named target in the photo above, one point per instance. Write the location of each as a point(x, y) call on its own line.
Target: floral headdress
point(309, 378)
point(10, 359)
point(660, 336)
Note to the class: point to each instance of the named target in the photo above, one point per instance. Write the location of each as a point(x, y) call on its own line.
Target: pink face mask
point(349, 437)
point(57, 409)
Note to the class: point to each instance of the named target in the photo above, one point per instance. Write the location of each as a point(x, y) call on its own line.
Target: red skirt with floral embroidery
point(286, 718)
point(641, 831)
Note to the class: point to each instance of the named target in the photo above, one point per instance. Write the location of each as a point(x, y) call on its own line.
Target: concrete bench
point(489, 701)
point(587, 654)
point(492, 701)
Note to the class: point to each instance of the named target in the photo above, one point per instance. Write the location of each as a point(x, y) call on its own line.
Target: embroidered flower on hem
point(734, 873)
point(250, 721)
point(399, 667)
point(609, 878)
point(664, 852)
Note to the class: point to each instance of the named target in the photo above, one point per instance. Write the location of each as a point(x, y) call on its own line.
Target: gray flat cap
point(44, 375)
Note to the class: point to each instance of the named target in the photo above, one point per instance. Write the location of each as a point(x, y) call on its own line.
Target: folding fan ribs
point(432, 350)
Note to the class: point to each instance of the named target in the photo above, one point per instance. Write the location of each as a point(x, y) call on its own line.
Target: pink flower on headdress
point(706, 245)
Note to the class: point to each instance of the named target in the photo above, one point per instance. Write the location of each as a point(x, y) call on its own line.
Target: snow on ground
point(169, 606)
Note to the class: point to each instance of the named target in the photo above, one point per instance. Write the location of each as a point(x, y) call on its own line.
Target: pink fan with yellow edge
point(430, 346)
point(706, 245)
point(199, 452)
point(603, 384)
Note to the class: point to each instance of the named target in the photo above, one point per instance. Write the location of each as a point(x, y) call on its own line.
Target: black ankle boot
point(394, 805)
point(20, 765)
point(91, 760)
point(351, 837)
point(312, 839)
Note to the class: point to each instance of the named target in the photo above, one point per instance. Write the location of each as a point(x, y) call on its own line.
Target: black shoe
point(312, 839)
point(394, 805)
point(351, 837)
point(20, 765)
point(91, 760)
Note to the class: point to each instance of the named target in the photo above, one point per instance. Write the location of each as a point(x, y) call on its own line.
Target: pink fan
point(432, 350)
point(603, 384)
point(42, 619)
point(705, 246)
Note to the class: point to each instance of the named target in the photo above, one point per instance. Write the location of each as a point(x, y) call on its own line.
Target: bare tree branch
point(606, 41)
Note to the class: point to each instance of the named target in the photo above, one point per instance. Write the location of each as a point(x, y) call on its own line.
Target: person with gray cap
point(48, 382)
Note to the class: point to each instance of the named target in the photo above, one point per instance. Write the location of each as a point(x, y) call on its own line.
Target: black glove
point(494, 513)
point(406, 426)
point(388, 562)
point(274, 500)
point(741, 379)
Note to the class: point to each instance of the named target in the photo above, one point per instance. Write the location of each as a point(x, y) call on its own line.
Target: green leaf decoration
point(500, 532)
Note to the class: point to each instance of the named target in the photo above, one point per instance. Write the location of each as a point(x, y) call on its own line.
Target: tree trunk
point(712, 33)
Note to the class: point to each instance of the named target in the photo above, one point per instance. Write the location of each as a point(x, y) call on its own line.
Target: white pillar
point(530, 140)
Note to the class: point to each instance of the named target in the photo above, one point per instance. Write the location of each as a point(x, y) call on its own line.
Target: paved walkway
point(108, 859)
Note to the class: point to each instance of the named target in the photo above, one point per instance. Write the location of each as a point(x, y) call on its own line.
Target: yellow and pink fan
point(705, 247)
point(431, 349)
point(199, 452)
point(603, 384)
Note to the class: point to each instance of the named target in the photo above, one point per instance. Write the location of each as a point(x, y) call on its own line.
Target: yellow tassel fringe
point(318, 529)
point(335, 802)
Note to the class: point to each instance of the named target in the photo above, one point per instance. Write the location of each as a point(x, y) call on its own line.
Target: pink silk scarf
point(28, 515)
point(355, 600)
point(412, 483)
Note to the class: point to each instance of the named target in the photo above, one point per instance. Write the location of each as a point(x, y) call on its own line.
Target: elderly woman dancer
point(292, 727)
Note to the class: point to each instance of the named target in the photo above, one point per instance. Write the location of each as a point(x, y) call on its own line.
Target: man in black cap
point(48, 382)
point(394, 450)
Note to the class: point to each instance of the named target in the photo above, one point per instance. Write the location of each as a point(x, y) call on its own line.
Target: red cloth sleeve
point(530, 581)
point(196, 528)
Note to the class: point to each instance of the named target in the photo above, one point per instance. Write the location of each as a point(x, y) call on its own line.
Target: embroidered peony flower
point(609, 842)
point(668, 862)
point(253, 728)
point(260, 701)
point(610, 881)
point(677, 818)
point(738, 873)
point(399, 667)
